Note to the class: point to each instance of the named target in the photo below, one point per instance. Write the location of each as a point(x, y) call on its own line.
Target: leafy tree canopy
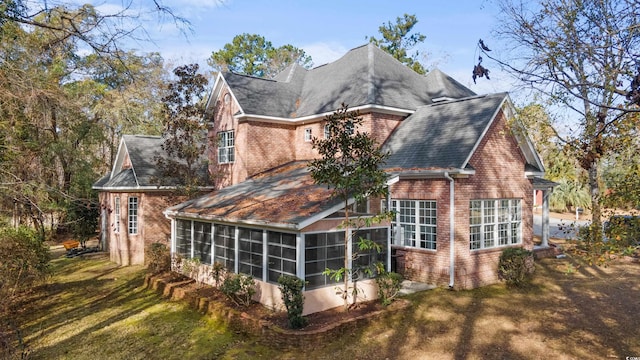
point(185, 131)
point(397, 41)
point(253, 55)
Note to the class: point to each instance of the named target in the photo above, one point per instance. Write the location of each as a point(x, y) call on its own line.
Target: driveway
point(558, 228)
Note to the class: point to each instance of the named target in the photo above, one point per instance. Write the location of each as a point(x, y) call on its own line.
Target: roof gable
point(442, 135)
point(141, 151)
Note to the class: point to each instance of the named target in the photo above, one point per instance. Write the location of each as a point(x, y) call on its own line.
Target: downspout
point(452, 211)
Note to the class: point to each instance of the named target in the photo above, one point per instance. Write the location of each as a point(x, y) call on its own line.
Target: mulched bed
point(263, 317)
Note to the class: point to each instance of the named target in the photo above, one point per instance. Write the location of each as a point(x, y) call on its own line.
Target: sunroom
point(283, 224)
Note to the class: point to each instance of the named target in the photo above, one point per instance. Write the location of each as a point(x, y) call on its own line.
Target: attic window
point(226, 98)
point(307, 134)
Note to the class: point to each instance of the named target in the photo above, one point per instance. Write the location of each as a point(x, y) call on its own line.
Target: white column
point(545, 217)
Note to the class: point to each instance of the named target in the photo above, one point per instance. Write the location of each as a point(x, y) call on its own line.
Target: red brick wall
point(499, 167)
point(260, 146)
point(153, 226)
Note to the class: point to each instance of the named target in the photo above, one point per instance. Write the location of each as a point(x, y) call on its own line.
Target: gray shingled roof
point(441, 135)
point(364, 76)
point(142, 151)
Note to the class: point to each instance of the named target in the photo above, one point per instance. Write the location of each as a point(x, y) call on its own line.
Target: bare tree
point(583, 55)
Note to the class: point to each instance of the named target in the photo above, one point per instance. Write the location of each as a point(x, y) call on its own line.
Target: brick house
point(461, 179)
point(132, 200)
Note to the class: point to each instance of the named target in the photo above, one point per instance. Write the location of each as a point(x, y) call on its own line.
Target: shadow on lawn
point(63, 303)
point(591, 312)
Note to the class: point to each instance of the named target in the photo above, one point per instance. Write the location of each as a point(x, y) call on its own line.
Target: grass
point(93, 309)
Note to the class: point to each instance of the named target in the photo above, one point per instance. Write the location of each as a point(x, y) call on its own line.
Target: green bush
point(218, 272)
point(389, 285)
point(623, 231)
point(158, 258)
point(239, 288)
point(516, 266)
point(291, 289)
point(24, 262)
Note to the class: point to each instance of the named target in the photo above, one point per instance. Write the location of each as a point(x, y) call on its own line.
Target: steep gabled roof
point(442, 135)
point(284, 197)
point(142, 152)
point(365, 75)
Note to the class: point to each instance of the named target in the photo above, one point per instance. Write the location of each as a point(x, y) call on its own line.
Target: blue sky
point(325, 29)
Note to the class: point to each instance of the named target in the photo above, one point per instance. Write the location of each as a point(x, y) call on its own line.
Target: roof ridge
point(250, 76)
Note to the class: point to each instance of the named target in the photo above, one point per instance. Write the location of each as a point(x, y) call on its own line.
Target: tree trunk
point(347, 272)
point(596, 211)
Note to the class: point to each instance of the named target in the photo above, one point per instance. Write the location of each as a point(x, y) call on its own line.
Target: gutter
point(452, 209)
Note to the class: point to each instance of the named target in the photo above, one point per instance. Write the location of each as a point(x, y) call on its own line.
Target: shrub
point(218, 272)
point(239, 288)
point(24, 262)
point(158, 258)
point(291, 289)
point(623, 231)
point(191, 268)
point(516, 266)
point(389, 285)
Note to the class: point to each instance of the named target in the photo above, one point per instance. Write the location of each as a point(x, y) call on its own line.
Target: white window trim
point(308, 134)
point(132, 220)
point(326, 131)
point(116, 214)
point(398, 233)
point(224, 148)
point(495, 222)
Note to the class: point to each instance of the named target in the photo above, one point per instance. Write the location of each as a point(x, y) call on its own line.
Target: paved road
point(558, 228)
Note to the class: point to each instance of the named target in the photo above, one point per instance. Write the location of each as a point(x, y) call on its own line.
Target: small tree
point(291, 289)
point(349, 163)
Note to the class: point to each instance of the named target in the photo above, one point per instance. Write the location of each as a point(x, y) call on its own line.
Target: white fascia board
point(318, 117)
point(119, 157)
point(534, 174)
point(221, 83)
point(321, 215)
point(171, 214)
point(434, 174)
point(144, 188)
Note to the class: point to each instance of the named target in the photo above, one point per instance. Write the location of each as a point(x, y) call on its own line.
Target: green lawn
point(93, 309)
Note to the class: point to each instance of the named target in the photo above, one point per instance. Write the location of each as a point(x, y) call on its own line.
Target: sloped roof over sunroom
point(285, 197)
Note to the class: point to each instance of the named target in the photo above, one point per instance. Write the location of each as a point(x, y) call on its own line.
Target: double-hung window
point(415, 224)
point(226, 144)
point(133, 215)
point(495, 223)
point(308, 134)
point(116, 214)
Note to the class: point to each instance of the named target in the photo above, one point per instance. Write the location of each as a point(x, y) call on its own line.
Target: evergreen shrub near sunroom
point(291, 289)
point(516, 266)
point(389, 285)
point(239, 288)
